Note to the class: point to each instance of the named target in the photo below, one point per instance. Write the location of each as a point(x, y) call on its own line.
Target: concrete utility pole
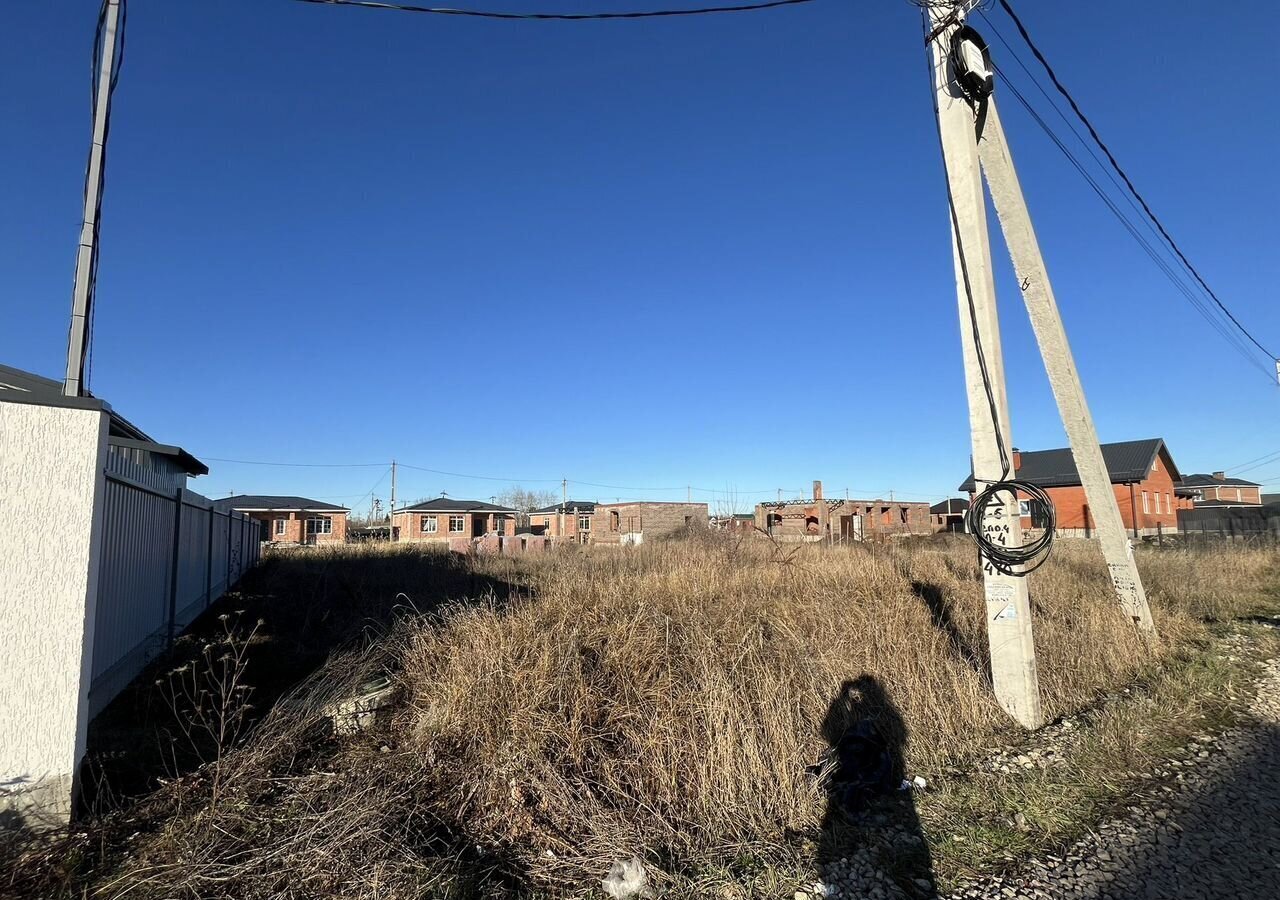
point(391, 514)
point(78, 339)
point(1013, 657)
point(1046, 322)
point(564, 499)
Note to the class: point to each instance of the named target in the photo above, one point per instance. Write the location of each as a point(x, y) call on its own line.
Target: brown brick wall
point(295, 527)
point(551, 523)
point(409, 526)
point(1227, 493)
point(878, 517)
point(653, 520)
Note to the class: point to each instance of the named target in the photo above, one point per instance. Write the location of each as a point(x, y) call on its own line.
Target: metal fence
point(1211, 523)
point(166, 555)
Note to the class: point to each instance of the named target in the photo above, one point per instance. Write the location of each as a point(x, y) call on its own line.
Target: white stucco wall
point(51, 485)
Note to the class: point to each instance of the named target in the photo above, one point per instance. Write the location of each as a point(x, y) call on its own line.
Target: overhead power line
point(563, 17)
point(1093, 132)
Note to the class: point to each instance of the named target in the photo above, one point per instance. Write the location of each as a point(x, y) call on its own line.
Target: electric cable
point(563, 17)
point(1017, 560)
point(1075, 107)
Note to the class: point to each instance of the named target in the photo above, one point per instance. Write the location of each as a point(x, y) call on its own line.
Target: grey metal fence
point(166, 555)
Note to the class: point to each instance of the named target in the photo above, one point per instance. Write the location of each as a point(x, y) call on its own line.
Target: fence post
point(208, 563)
point(226, 586)
point(1160, 533)
point(171, 624)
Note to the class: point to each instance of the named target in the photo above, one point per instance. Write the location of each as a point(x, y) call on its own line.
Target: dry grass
point(663, 701)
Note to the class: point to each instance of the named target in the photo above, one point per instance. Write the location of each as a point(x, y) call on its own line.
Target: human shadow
point(940, 612)
point(870, 832)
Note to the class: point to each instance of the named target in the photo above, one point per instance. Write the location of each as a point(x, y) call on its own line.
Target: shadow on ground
point(310, 604)
point(870, 835)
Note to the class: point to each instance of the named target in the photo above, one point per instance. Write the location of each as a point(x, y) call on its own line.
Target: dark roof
point(1127, 461)
point(275, 502)
point(15, 384)
point(949, 507)
point(1190, 481)
point(448, 504)
point(582, 506)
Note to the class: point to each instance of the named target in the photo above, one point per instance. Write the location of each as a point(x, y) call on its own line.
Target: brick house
point(818, 519)
point(949, 515)
point(444, 518)
point(291, 520)
point(645, 520)
point(571, 520)
point(1142, 473)
point(1219, 490)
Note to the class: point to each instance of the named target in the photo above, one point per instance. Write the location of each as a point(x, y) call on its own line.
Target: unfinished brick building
point(635, 523)
point(819, 519)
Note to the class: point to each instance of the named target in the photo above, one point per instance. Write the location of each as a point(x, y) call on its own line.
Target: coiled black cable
point(990, 536)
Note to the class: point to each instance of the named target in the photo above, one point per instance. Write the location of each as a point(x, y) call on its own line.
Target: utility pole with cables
point(391, 514)
point(87, 256)
point(973, 144)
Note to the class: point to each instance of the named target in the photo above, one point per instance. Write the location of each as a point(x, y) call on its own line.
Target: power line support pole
point(1008, 607)
point(1046, 322)
point(78, 339)
point(391, 513)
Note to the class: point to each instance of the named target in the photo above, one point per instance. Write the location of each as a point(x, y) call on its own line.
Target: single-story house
point(291, 520)
point(570, 520)
point(644, 520)
point(949, 515)
point(444, 518)
point(1142, 473)
point(1219, 490)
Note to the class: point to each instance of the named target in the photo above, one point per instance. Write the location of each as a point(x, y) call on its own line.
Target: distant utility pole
point(391, 514)
point(688, 494)
point(564, 498)
point(81, 294)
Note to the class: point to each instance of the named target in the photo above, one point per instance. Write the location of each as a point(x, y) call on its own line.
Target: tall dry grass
point(663, 701)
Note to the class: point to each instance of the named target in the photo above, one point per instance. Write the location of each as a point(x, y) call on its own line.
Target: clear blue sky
point(688, 251)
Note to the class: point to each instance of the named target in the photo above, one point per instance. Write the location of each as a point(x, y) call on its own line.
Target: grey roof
point(15, 384)
point(1209, 481)
point(1127, 461)
point(582, 506)
point(950, 507)
point(448, 504)
point(274, 502)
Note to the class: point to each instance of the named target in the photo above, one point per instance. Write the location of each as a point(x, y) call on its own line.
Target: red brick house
point(1219, 490)
point(1143, 476)
point(571, 520)
point(444, 518)
point(292, 520)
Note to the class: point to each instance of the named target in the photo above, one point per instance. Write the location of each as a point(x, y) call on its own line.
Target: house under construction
point(819, 519)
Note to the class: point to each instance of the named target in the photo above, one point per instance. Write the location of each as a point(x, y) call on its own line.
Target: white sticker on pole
point(1001, 594)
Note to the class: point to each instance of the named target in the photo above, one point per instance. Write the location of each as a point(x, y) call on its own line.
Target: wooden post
point(171, 624)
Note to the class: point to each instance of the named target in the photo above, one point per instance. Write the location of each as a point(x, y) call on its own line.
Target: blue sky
point(708, 252)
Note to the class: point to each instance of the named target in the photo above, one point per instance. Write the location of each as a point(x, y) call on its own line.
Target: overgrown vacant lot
point(568, 710)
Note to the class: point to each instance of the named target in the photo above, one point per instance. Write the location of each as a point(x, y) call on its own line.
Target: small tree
point(524, 500)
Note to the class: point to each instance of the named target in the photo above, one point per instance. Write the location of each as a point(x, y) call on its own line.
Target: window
point(430, 524)
point(457, 524)
point(1146, 503)
point(1157, 503)
point(1237, 495)
point(499, 524)
point(584, 523)
point(320, 525)
point(1024, 509)
point(280, 527)
point(613, 520)
point(1168, 503)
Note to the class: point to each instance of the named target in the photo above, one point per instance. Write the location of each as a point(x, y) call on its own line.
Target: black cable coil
point(1004, 558)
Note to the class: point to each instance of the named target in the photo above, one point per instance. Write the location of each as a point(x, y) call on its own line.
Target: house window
point(584, 523)
point(1024, 509)
point(1157, 503)
point(1168, 503)
point(430, 524)
point(320, 525)
point(1237, 495)
point(1146, 503)
point(613, 520)
point(498, 525)
point(457, 524)
point(280, 527)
